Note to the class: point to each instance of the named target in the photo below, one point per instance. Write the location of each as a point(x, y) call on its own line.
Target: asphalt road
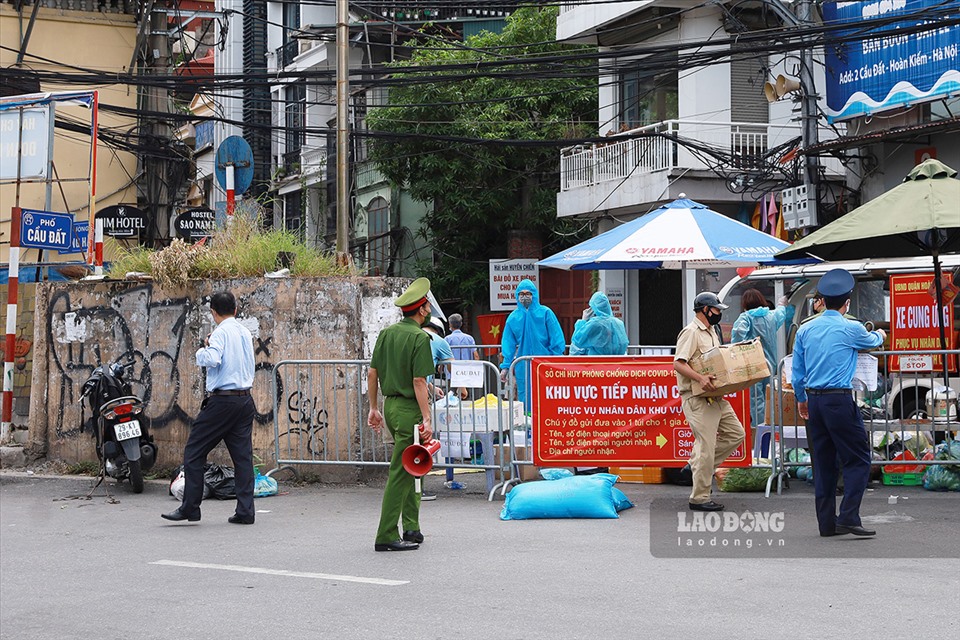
point(103, 569)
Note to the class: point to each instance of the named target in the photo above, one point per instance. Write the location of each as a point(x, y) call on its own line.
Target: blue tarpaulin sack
point(574, 497)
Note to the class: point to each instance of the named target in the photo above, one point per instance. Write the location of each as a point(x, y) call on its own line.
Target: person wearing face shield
point(531, 329)
point(716, 429)
point(598, 333)
point(757, 321)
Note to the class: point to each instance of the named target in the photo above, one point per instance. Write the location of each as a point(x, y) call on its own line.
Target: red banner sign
point(914, 322)
point(616, 411)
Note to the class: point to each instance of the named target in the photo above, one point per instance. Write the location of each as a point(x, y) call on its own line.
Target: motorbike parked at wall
point(124, 445)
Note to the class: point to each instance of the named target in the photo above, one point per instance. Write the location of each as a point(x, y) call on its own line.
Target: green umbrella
point(918, 217)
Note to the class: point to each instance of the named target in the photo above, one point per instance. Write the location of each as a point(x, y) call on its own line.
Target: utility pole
point(343, 132)
point(159, 133)
point(808, 112)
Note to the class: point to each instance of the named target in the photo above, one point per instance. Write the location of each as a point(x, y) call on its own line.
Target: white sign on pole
point(865, 375)
point(505, 275)
point(32, 146)
point(466, 374)
point(615, 296)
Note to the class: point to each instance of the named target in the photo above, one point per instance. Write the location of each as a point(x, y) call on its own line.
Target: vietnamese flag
point(491, 329)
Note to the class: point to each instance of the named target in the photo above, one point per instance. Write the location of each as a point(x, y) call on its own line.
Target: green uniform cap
point(413, 294)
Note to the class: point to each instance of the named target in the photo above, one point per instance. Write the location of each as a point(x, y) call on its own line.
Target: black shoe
point(830, 534)
point(396, 545)
point(180, 516)
point(706, 506)
point(856, 530)
point(426, 496)
point(238, 519)
point(413, 536)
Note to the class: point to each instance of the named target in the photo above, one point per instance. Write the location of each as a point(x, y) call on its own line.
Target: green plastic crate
point(903, 479)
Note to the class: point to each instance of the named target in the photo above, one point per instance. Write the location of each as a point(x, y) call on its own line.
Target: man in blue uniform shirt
point(824, 361)
point(226, 413)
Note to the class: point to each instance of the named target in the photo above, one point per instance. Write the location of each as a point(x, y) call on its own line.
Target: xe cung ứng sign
point(915, 324)
point(616, 411)
point(887, 68)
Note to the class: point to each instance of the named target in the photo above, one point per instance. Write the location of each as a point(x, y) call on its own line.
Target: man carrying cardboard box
point(716, 429)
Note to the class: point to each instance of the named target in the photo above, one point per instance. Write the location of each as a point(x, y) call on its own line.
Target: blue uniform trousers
point(836, 434)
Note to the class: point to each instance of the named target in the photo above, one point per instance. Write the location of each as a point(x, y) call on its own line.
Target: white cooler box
point(468, 419)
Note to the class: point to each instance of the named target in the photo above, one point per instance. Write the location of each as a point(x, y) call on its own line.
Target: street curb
point(12, 457)
point(25, 473)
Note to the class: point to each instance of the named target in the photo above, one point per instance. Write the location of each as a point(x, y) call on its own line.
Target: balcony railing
point(287, 53)
point(745, 143)
point(98, 6)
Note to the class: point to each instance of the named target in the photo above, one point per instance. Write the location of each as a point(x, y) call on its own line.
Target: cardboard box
point(525, 472)
point(735, 367)
point(790, 416)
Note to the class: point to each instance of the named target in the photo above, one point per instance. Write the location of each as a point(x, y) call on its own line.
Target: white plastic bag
point(176, 486)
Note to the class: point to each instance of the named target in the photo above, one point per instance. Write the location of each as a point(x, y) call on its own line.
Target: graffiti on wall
point(153, 334)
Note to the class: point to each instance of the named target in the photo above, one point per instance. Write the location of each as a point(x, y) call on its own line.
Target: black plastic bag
point(221, 482)
point(218, 481)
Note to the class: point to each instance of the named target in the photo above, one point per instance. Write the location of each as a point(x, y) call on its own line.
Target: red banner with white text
point(616, 411)
point(915, 324)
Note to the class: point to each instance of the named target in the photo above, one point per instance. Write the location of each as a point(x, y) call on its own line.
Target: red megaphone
point(418, 458)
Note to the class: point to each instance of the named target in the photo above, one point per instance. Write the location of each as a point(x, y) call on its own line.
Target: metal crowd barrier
point(470, 421)
point(320, 412)
point(320, 418)
point(895, 412)
point(320, 415)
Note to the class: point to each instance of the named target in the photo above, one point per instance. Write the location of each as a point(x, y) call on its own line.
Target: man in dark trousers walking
point(226, 413)
point(824, 361)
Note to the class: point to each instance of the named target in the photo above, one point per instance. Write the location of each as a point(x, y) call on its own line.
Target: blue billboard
point(81, 232)
point(885, 68)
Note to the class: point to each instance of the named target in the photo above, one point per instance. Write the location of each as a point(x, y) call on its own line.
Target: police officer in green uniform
point(399, 367)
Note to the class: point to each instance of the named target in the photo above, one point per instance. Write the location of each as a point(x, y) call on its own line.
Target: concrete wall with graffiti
point(82, 325)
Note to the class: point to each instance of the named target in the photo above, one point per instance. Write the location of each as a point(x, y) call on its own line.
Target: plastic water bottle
point(476, 451)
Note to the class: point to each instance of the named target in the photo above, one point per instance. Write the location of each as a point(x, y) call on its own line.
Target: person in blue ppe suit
point(758, 321)
point(530, 330)
point(824, 362)
point(598, 333)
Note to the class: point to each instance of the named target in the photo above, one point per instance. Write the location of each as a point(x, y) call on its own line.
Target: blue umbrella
point(678, 235)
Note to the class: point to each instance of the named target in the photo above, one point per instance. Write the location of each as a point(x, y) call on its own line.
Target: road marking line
point(282, 572)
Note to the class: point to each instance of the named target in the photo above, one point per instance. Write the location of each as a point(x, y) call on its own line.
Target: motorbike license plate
point(127, 430)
